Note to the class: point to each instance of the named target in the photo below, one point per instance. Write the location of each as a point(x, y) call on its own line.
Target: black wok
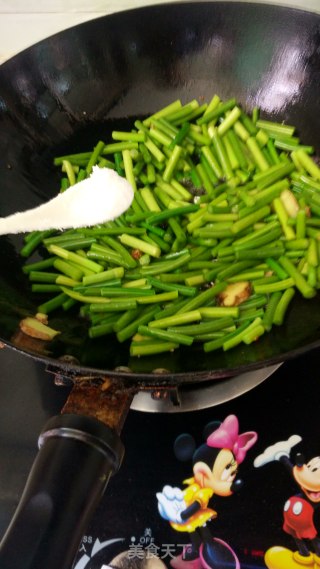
point(67, 92)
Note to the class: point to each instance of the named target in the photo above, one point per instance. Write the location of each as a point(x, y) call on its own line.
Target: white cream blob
point(102, 197)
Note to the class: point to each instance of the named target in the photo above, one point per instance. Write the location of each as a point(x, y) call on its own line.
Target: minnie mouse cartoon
point(215, 469)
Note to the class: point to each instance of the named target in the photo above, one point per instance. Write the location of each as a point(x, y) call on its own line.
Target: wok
point(65, 93)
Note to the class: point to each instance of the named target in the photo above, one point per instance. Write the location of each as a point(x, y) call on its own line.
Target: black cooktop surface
point(128, 522)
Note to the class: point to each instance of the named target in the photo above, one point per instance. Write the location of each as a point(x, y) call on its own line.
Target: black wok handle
point(71, 471)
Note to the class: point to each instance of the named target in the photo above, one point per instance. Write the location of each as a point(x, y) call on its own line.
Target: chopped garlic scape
point(102, 197)
point(290, 203)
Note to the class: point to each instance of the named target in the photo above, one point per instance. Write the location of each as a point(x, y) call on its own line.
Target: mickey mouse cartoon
point(215, 469)
point(298, 510)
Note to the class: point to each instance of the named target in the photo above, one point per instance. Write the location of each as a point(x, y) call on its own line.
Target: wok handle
point(71, 471)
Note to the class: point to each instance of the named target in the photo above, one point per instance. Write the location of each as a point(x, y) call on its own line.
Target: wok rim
point(160, 5)
point(77, 371)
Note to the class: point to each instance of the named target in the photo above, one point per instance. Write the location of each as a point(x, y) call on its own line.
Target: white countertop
point(24, 23)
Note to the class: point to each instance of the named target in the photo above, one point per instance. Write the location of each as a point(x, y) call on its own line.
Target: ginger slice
point(235, 293)
point(37, 329)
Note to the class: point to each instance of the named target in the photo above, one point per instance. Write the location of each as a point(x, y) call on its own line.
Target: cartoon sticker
point(215, 472)
point(298, 512)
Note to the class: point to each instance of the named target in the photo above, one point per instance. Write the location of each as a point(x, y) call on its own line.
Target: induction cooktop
point(129, 528)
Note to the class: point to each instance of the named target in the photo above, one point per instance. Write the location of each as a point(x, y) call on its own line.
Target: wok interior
point(69, 91)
